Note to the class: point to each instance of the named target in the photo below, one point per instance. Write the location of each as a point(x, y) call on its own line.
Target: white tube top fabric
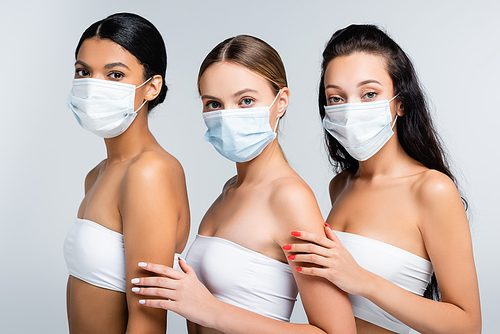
point(405, 269)
point(96, 255)
point(243, 277)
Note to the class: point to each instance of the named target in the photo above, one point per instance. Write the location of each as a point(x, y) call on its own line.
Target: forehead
point(226, 77)
point(357, 67)
point(94, 51)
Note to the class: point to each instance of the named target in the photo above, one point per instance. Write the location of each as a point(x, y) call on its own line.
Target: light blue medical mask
point(362, 128)
point(103, 107)
point(240, 134)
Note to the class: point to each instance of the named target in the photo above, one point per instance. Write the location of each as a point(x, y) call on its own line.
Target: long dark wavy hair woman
point(399, 224)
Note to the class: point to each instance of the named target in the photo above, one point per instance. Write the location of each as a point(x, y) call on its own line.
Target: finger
point(168, 305)
point(309, 258)
point(330, 235)
point(154, 292)
point(307, 248)
point(312, 237)
point(161, 282)
point(187, 268)
point(313, 271)
point(161, 269)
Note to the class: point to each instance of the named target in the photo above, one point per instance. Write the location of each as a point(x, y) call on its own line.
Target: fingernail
point(298, 269)
point(142, 301)
point(328, 226)
point(135, 289)
point(296, 234)
point(287, 247)
point(134, 280)
point(180, 258)
point(291, 257)
point(142, 264)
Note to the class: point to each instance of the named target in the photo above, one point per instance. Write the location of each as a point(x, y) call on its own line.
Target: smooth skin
point(139, 191)
point(394, 199)
point(257, 209)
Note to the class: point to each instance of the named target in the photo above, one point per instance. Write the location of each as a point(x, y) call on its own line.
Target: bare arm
point(447, 239)
point(153, 194)
point(328, 309)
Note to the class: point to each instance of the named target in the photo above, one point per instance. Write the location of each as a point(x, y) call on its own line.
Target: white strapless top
point(95, 254)
point(243, 277)
point(405, 269)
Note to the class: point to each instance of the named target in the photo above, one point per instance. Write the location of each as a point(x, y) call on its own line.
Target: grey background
point(45, 155)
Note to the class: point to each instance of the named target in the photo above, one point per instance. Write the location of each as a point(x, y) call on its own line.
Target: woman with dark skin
point(137, 195)
point(400, 197)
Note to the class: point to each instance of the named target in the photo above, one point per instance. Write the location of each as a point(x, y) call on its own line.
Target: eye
point(334, 100)
point(212, 105)
point(370, 95)
point(246, 102)
point(81, 72)
point(116, 75)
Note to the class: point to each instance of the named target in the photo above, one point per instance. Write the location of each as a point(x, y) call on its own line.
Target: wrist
point(370, 284)
point(215, 316)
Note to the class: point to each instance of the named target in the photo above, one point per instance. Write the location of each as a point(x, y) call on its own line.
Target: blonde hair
point(253, 54)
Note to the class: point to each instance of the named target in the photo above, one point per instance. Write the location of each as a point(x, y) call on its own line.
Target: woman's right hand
point(336, 263)
point(179, 292)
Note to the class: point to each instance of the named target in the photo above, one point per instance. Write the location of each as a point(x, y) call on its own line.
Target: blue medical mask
point(362, 128)
point(103, 107)
point(240, 134)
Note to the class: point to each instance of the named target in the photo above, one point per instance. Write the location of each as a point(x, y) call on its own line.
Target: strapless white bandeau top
point(243, 277)
point(95, 254)
point(405, 269)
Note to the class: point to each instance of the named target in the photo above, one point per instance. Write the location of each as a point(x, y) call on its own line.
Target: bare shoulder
point(433, 187)
point(153, 167)
point(92, 175)
point(338, 184)
point(294, 203)
point(290, 191)
point(439, 203)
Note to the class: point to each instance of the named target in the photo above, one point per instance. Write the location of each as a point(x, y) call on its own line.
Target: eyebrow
point(107, 66)
point(362, 83)
point(243, 91)
point(81, 63)
point(365, 82)
point(209, 97)
point(238, 93)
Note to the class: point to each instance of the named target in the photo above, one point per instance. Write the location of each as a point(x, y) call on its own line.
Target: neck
point(253, 171)
point(136, 139)
point(389, 161)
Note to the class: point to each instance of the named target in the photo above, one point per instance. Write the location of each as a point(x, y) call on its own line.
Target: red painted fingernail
point(287, 247)
point(328, 226)
point(291, 257)
point(296, 234)
point(298, 269)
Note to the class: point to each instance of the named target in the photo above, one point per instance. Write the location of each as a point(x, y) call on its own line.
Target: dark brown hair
point(416, 132)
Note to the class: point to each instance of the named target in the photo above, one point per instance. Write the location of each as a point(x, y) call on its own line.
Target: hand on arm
point(447, 240)
point(184, 294)
point(150, 210)
point(328, 308)
point(332, 261)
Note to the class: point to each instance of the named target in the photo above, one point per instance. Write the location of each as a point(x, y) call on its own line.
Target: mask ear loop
point(143, 103)
point(277, 119)
point(395, 118)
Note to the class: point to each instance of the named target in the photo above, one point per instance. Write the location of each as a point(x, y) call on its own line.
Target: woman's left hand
point(179, 292)
point(335, 262)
